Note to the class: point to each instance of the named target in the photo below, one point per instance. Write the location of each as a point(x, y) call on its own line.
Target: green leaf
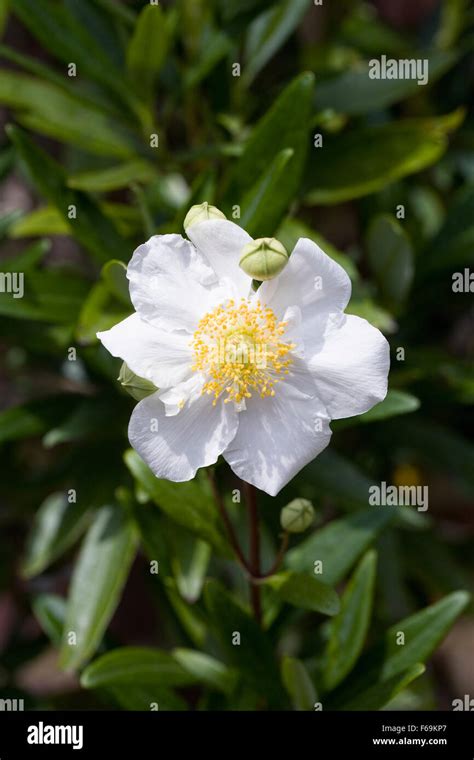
point(50, 611)
point(41, 221)
point(285, 125)
point(305, 591)
point(354, 533)
point(353, 92)
point(215, 46)
point(97, 582)
point(253, 658)
point(100, 311)
point(395, 403)
point(377, 696)
point(49, 295)
point(188, 504)
point(132, 665)
point(147, 50)
point(146, 697)
point(391, 258)
point(403, 646)
point(366, 159)
point(27, 260)
point(265, 203)
point(268, 33)
point(114, 177)
point(206, 669)
point(32, 419)
point(189, 562)
point(59, 32)
point(454, 243)
point(45, 108)
point(298, 684)
point(90, 227)
point(347, 631)
point(56, 526)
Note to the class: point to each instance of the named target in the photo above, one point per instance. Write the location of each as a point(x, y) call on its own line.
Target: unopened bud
point(202, 213)
point(263, 259)
point(297, 516)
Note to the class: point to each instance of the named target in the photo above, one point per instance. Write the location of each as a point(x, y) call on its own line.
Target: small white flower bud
point(136, 386)
point(297, 516)
point(202, 213)
point(263, 259)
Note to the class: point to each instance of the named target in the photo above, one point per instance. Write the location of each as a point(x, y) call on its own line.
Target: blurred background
point(113, 123)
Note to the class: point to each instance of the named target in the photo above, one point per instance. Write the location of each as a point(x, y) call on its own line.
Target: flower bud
point(263, 259)
point(297, 516)
point(136, 386)
point(202, 213)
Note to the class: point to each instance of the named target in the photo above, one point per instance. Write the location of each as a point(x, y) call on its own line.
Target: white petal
point(351, 369)
point(184, 393)
point(278, 436)
point(171, 285)
point(221, 242)
point(311, 280)
point(163, 358)
point(174, 447)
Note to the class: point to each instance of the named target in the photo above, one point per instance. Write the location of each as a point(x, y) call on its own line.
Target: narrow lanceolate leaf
point(253, 656)
point(97, 582)
point(264, 205)
point(56, 525)
point(364, 160)
point(114, 177)
point(454, 243)
point(298, 684)
point(391, 259)
point(347, 631)
point(303, 590)
point(206, 669)
point(355, 533)
point(354, 92)
point(268, 33)
point(285, 125)
point(147, 49)
point(375, 697)
point(135, 666)
point(46, 108)
point(395, 403)
point(146, 697)
point(50, 611)
point(189, 504)
point(88, 225)
point(403, 646)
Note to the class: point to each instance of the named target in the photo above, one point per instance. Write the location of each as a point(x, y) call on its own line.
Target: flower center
point(240, 350)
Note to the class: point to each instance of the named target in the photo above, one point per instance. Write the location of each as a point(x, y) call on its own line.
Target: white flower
point(254, 376)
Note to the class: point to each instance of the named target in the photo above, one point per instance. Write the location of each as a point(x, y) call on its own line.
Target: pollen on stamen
point(240, 350)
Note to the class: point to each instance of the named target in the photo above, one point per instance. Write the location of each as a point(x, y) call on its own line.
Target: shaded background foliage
point(86, 142)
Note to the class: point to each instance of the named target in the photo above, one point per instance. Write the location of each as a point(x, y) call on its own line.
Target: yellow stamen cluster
point(239, 348)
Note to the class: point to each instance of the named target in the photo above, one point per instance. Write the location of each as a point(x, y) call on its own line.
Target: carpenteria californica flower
point(254, 376)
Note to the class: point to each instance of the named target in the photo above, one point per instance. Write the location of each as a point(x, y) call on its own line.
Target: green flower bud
point(201, 213)
point(263, 259)
point(136, 386)
point(297, 516)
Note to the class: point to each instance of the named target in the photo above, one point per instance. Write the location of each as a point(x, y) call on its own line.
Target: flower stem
point(254, 547)
point(227, 522)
